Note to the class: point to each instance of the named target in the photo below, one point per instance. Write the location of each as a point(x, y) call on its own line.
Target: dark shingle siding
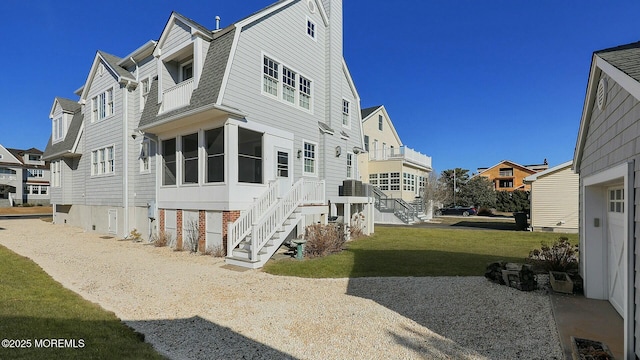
point(208, 89)
point(70, 139)
point(626, 58)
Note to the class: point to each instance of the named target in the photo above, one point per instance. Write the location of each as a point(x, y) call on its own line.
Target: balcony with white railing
point(402, 153)
point(177, 96)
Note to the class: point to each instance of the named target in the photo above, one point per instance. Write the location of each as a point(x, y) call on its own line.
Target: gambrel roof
point(216, 69)
point(622, 65)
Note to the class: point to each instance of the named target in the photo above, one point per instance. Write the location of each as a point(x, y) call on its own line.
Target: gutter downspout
point(125, 156)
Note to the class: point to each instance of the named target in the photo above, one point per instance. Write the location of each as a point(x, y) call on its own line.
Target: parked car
point(457, 210)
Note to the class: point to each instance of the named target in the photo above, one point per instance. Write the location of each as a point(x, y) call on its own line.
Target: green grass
point(407, 251)
point(33, 307)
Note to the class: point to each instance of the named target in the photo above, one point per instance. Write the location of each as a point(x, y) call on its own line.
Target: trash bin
point(521, 220)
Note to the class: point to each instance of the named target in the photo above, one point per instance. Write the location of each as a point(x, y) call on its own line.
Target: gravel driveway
point(194, 307)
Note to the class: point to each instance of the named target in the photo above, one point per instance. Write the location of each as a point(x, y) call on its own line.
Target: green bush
point(515, 201)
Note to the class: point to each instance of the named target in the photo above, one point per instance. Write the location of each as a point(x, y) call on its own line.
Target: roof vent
point(601, 95)
point(217, 22)
point(312, 6)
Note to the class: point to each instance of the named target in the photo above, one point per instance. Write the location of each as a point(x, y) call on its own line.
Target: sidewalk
point(590, 319)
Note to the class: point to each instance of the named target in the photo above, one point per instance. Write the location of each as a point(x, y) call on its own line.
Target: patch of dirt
point(27, 210)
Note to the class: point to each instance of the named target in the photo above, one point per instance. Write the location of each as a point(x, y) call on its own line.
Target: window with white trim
point(270, 78)
point(296, 89)
point(186, 70)
point(380, 122)
point(214, 142)
point(145, 87)
point(305, 93)
point(58, 130)
point(102, 161)
point(373, 179)
point(102, 105)
point(144, 156)
point(36, 173)
point(394, 181)
point(288, 85)
point(616, 200)
point(311, 29)
point(169, 161)
point(349, 165)
point(384, 181)
point(309, 158)
point(249, 156)
point(190, 159)
point(345, 112)
point(55, 173)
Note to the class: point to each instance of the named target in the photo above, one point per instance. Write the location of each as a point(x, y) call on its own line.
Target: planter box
point(561, 282)
point(584, 349)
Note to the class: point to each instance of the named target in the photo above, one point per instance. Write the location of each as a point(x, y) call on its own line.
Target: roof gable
point(534, 177)
point(258, 15)
point(509, 163)
point(385, 115)
point(194, 29)
point(9, 156)
point(622, 65)
point(110, 63)
point(67, 106)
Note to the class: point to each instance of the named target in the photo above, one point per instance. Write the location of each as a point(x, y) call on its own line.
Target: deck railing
point(178, 95)
point(404, 153)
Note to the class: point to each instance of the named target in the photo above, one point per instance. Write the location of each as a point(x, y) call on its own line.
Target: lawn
point(412, 251)
point(37, 311)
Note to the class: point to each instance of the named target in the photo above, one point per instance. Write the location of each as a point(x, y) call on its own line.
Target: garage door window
point(616, 200)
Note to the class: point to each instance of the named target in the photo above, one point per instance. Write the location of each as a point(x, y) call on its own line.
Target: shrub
point(323, 240)
point(215, 251)
point(483, 211)
point(356, 229)
point(162, 239)
point(135, 235)
point(561, 256)
point(192, 235)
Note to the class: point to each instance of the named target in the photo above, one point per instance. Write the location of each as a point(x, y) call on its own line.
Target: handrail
point(402, 209)
point(240, 228)
point(178, 95)
point(267, 226)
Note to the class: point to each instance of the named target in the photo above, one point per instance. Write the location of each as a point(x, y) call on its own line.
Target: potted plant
point(558, 259)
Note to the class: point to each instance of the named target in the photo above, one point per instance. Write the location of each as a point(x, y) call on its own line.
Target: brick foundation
point(178, 229)
point(227, 217)
point(202, 231)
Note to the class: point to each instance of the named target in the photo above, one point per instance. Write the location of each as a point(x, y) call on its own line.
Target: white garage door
point(616, 246)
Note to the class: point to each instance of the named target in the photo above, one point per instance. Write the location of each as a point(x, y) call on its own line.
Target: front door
point(616, 247)
point(284, 177)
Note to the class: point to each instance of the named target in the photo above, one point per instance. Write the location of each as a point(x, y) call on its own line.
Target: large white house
point(244, 133)
point(24, 177)
point(607, 157)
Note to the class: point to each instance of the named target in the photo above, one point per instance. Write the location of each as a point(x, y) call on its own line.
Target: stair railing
point(274, 218)
point(239, 229)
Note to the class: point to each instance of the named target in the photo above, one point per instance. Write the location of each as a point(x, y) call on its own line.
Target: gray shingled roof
point(113, 60)
point(625, 58)
point(66, 145)
point(366, 112)
point(208, 88)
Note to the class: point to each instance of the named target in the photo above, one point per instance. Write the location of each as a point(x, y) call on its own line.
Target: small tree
point(451, 183)
point(479, 191)
point(517, 200)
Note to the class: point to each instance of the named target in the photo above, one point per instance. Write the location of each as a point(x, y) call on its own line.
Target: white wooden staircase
point(260, 231)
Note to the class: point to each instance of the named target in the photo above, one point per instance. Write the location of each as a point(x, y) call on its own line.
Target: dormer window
point(58, 129)
point(186, 71)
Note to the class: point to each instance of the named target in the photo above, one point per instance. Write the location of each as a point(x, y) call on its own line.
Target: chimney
point(217, 23)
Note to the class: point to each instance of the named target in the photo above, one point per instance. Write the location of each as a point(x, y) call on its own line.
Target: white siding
point(554, 201)
point(104, 190)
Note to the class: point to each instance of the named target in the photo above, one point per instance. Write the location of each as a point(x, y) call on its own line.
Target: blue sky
point(469, 83)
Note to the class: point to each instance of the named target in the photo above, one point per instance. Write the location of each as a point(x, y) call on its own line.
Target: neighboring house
point(396, 170)
point(607, 158)
point(554, 199)
point(24, 177)
point(233, 138)
point(508, 175)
